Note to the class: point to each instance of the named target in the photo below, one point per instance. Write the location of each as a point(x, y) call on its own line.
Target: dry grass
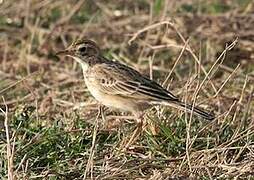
point(203, 52)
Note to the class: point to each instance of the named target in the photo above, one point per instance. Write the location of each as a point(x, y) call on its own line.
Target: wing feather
point(119, 79)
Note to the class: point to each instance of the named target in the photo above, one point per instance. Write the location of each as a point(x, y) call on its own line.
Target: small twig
point(228, 48)
point(194, 56)
point(89, 165)
point(224, 83)
point(164, 46)
point(62, 21)
point(8, 147)
point(151, 59)
point(19, 81)
point(148, 28)
point(21, 163)
point(176, 62)
point(168, 23)
point(188, 128)
point(227, 113)
point(222, 149)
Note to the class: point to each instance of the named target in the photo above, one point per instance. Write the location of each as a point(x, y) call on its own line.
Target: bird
point(117, 85)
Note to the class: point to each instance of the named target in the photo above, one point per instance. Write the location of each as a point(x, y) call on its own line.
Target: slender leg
point(135, 135)
point(153, 127)
point(101, 113)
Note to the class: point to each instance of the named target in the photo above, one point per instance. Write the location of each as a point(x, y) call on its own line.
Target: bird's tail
point(189, 108)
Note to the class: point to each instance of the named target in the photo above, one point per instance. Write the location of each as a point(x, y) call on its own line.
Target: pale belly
point(116, 101)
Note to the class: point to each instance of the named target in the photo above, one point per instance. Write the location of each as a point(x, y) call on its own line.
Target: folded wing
point(119, 79)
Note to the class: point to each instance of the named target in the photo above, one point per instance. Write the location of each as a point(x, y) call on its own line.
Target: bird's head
point(81, 51)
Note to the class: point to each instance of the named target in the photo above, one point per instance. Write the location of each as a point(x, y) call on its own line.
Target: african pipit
point(116, 85)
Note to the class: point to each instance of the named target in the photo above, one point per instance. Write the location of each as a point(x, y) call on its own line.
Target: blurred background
point(179, 44)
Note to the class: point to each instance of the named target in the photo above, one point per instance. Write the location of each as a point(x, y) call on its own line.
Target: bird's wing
point(118, 79)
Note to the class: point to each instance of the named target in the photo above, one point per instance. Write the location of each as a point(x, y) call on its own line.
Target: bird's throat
point(83, 64)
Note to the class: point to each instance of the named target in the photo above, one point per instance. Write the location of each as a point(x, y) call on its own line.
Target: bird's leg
point(136, 132)
point(101, 113)
point(153, 125)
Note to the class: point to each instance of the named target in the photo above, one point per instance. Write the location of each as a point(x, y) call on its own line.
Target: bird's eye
point(82, 49)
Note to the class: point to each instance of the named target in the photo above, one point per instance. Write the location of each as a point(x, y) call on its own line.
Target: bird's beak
point(68, 51)
point(63, 52)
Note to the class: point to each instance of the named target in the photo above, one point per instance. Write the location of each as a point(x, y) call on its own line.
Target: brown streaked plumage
point(119, 86)
point(116, 85)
